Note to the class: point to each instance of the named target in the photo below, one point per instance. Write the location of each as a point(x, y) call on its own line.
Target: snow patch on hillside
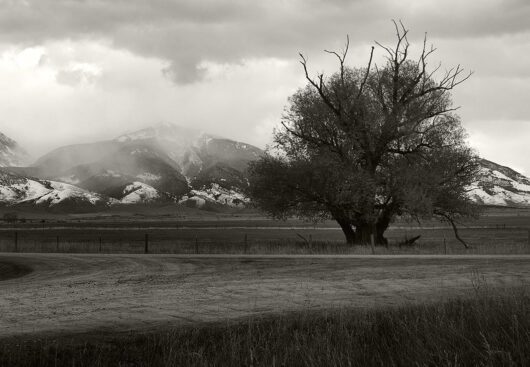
point(22, 191)
point(139, 192)
point(44, 192)
point(497, 188)
point(499, 196)
point(63, 191)
point(15, 189)
point(216, 194)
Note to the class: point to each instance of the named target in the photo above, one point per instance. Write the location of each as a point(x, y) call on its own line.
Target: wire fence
point(484, 240)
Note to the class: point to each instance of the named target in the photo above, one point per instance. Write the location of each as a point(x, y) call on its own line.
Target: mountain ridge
point(167, 163)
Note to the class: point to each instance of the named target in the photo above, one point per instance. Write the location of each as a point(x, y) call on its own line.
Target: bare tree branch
point(367, 73)
point(455, 229)
point(319, 87)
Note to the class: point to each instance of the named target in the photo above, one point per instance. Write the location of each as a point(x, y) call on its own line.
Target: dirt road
point(76, 293)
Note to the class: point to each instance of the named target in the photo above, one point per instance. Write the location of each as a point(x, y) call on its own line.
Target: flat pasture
point(489, 235)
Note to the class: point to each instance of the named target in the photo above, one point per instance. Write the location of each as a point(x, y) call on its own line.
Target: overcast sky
point(83, 70)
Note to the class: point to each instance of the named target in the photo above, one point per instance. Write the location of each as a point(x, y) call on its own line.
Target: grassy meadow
point(508, 234)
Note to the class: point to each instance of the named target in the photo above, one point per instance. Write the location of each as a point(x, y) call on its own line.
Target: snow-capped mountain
point(11, 154)
point(501, 186)
point(172, 160)
point(179, 143)
point(193, 150)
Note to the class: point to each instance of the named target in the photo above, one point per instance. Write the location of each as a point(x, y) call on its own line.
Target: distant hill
point(17, 190)
point(501, 186)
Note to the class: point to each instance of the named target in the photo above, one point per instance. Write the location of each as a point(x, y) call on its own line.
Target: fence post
point(246, 243)
point(99, 249)
point(372, 242)
point(146, 251)
point(16, 241)
point(196, 245)
point(529, 239)
point(445, 246)
point(57, 244)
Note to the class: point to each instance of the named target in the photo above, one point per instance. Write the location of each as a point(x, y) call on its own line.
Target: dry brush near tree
point(366, 145)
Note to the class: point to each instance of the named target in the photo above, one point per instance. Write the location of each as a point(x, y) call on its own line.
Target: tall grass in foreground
point(489, 329)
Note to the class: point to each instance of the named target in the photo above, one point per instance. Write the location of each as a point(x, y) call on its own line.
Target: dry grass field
point(240, 291)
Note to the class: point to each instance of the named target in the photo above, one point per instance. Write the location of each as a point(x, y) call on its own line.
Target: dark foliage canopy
point(366, 145)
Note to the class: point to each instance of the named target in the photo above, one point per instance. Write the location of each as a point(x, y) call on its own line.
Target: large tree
point(366, 145)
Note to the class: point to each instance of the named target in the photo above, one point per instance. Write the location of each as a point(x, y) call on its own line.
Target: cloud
point(91, 69)
point(78, 73)
point(503, 141)
point(68, 101)
point(184, 72)
point(186, 33)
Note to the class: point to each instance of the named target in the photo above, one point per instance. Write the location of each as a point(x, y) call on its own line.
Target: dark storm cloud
point(185, 33)
point(468, 19)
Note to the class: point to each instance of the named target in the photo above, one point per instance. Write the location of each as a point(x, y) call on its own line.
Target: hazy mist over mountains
point(11, 154)
point(167, 163)
point(161, 163)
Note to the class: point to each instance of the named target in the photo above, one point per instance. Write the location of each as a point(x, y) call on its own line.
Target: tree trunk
point(381, 227)
point(361, 235)
point(364, 231)
point(347, 228)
